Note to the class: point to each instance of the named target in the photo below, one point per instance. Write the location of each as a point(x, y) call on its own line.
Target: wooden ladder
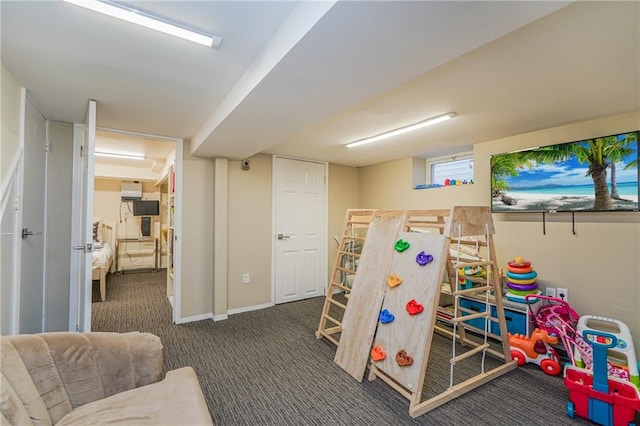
point(475, 223)
point(354, 231)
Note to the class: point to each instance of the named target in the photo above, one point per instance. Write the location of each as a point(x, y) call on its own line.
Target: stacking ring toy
point(422, 258)
point(514, 281)
point(401, 245)
point(522, 292)
point(522, 276)
point(525, 287)
point(517, 270)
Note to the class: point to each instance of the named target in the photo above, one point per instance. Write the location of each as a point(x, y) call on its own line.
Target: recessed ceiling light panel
point(147, 20)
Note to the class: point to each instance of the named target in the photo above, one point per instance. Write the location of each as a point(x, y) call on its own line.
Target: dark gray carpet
point(267, 368)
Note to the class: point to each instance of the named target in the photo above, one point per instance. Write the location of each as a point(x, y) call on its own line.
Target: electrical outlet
point(563, 294)
point(246, 278)
point(550, 292)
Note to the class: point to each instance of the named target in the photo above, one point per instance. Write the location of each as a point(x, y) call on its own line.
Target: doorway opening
point(135, 214)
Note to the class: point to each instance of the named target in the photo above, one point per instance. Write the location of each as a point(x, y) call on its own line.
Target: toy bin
point(617, 407)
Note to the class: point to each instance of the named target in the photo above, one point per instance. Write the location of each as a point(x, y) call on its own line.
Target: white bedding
point(102, 256)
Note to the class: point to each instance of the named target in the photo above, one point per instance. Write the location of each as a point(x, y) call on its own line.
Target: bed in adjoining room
point(103, 243)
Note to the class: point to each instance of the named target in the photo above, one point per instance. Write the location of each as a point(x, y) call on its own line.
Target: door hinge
point(81, 150)
point(16, 202)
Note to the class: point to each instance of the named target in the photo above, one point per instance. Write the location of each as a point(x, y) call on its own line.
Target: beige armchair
point(95, 379)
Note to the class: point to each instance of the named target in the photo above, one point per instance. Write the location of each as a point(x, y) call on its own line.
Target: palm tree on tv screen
point(599, 154)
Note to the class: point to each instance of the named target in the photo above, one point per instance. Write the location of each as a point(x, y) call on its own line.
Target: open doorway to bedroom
point(134, 216)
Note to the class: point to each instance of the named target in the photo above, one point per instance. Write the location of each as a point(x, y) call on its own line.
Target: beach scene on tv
point(599, 174)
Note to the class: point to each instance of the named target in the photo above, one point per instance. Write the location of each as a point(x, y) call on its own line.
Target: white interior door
point(300, 229)
point(32, 282)
point(82, 221)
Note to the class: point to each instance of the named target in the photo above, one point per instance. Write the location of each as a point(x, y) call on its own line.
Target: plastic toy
point(537, 350)
point(624, 364)
point(403, 359)
point(401, 245)
point(386, 317)
point(556, 317)
point(422, 258)
point(393, 280)
point(595, 396)
point(414, 307)
point(378, 354)
point(521, 280)
point(555, 307)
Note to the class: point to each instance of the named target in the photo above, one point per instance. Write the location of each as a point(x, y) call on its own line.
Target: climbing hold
point(403, 359)
point(414, 307)
point(378, 354)
point(393, 280)
point(401, 245)
point(422, 258)
point(386, 316)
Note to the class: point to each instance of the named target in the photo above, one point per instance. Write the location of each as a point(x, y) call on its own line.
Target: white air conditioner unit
point(131, 191)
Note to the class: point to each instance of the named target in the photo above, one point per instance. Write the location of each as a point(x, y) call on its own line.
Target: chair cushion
point(176, 400)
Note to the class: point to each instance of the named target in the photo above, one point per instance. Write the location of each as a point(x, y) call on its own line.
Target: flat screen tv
point(146, 207)
point(599, 174)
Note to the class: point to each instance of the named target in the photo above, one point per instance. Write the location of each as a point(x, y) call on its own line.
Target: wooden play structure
point(389, 310)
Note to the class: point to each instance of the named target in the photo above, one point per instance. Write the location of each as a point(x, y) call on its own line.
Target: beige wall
point(196, 273)
point(249, 243)
point(250, 222)
point(9, 121)
point(344, 193)
point(599, 266)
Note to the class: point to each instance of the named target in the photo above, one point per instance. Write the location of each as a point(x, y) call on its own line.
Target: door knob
point(26, 233)
point(282, 237)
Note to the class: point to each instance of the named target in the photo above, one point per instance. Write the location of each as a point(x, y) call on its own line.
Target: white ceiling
point(304, 78)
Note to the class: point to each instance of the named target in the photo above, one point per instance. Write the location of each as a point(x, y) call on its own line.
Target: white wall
point(599, 266)
point(108, 205)
point(9, 121)
point(12, 98)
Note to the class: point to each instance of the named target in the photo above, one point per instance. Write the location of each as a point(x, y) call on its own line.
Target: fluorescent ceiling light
point(401, 130)
point(135, 16)
point(120, 155)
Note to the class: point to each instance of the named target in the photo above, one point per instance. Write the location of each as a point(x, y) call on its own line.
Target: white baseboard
point(195, 318)
point(220, 317)
point(250, 308)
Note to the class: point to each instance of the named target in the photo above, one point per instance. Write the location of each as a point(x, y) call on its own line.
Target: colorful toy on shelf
point(470, 274)
point(596, 396)
point(386, 317)
point(537, 350)
point(521, 281)
point(378, 354)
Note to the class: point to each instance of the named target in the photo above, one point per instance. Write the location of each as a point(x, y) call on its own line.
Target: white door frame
point(82, 222)
point(325, 247)
point(177, 218)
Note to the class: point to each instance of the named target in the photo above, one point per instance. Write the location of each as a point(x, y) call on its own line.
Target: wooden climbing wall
point(359, 321)
point(411, 333)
